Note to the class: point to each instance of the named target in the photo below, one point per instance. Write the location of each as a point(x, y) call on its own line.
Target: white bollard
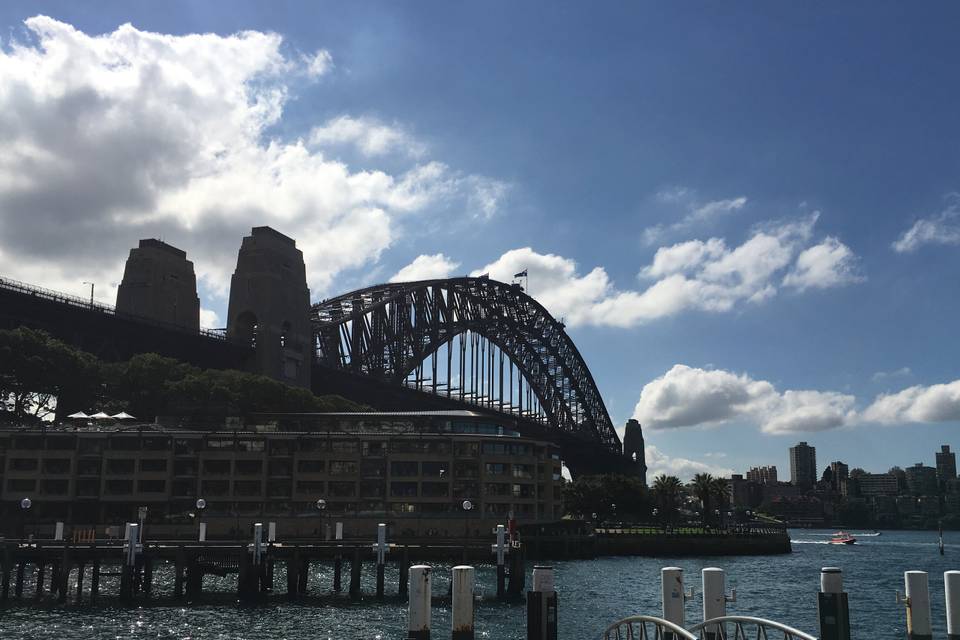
point(671, 582)
point(951, 583)
point(918, 605)
point(462, 606)
point(714, 599)
point(339, 531)
point(58, 532)
point(418, 610)
point(831, 580)
point(272, 532)
point(542, 605)
point(131, 544)
point(203, 532)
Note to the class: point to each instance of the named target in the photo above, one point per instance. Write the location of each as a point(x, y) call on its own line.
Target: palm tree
point(703, 488)
point(666, 492)
point(720, 490)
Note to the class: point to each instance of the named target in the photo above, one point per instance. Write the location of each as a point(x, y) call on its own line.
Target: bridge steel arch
point(387, 331)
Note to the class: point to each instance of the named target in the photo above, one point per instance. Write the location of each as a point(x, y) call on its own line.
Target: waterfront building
point(803, 465)
point(840, 473)
point(410, 470)
point(877, 484)
point(922, 480)
point(763, 475)
point(159, 284)
point(946, 464)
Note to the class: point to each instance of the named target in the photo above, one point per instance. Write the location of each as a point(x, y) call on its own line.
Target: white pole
point(58, 533)
point(462, 614)
point(671, 581)
point(418, 611)
point(831, 580)
point(918, 605)
point(272, 532)
point(381, 545)
point(714, 599)
point(951, 583)
point(203, 532)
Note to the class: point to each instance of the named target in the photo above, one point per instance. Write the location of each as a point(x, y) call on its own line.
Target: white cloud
point(319, 63)
point(369, 135)
point(828, 264)
point(426, 267)
point(902, 372)
point(692, 275)
point(697, 212)
point(687, 396)
point(940, 228)
point(133, 134)
point(684, 468)
point(934, 403)
point(209, 319)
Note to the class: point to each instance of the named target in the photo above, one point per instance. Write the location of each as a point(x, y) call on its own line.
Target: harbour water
point(591, 595)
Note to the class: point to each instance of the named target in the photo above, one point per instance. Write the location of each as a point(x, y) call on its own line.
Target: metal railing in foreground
point(636, 628)
point(744, 627)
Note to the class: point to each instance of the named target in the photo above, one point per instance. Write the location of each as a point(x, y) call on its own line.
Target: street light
point(201, 505)
point(25, 505)
point(321, 507)
point(467, 506)
point(91, 292)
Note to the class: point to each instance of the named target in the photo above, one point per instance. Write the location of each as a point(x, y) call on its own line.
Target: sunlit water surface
point(592, 594)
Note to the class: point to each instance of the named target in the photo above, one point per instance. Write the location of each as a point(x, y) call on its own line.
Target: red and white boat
point(842, 537)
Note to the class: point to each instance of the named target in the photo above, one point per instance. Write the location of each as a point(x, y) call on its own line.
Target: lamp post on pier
point(25, 505)
point(467, 506)
point(201, 505)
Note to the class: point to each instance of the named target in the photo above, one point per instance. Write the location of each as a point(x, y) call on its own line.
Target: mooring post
point(194, 577)
point(243, 575)
point(542, 606)
point(501, 549)
point(5, 586)
point(58, 531)
point(951, 584)
point(355, 574)
point(63, 575)
point(293, 579)
point(462, 605)
point(257, 551)
point(674, 597)
point(338, 560)
point(381, 547)
point(304, 574)
point(38, 592)
point(715, 600)
point(95, 576)
point(517, 573)
point(179, 563)
point(404, 571)
point(130, 562)
point(147, 575)
point(418, 607)
point(81, 567)
point(917, 601)
point(18, 584)
point(832, 606)
point(271, 532)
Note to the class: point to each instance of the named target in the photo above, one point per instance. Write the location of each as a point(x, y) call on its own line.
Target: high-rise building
point(803, 465)
point(763, 475)
point(921, 480)
point(877, 484)
point(946, 464)
point(839, 472)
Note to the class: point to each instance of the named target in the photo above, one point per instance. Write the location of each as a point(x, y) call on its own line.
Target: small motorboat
point(842, 537)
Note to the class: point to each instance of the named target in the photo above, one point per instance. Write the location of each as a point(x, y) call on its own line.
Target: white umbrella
point(100, 415)
point(123, 415)
point(79, 415)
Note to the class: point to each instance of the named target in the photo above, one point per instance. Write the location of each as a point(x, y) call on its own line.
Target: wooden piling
point(81, 567)
point(5, 579)
point(337, 572)
point(179, 567)
point(95, 578)
point(293, 567)
point(39, 586)
point(18, 585)
point(147, 575)
point(403, 586)
point(304, 575)
point(355, 574)
point(194, 577)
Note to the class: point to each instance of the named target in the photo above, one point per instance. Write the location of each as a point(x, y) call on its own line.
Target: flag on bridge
point(522, 274)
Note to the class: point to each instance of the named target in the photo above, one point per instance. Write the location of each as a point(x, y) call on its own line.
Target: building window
point(434, 489)
point(405, 469)
point(403, 489)
point(247, 488)
point(249, 467)
point(23, 464)
point(57, 487)
point(153, 465)
point(310, 466)
point(118, 487)
point(342, 489)
point(121, 466)
point(524, 471)
point(435, 468)
point(151, 486)
point(343, 468)
point(216, 467)
point(21, 484)
point(88, 467)
point(311, 487)
point(215, 487)
point(496, 489)
point(56, 465)
point(497, 469)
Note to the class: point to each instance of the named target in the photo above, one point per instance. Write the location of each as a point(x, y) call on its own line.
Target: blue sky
point(746, 212)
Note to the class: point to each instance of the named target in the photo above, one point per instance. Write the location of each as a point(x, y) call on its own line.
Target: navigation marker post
point(501, 548)
point(381, 547)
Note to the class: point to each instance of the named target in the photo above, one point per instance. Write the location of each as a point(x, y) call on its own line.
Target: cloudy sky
point(747, 215)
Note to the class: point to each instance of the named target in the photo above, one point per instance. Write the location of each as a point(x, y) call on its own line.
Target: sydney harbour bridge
point(458, 343)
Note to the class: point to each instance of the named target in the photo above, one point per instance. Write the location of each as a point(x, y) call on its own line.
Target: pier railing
point(744, 529)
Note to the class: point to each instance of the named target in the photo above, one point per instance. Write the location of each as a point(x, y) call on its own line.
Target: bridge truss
point(473, 340)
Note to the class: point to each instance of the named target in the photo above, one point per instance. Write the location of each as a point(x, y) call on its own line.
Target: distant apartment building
point(839, 473)
point(803, 465)
point(878, 484)
point(922, 480)
point(763, 475)
point(946, 464)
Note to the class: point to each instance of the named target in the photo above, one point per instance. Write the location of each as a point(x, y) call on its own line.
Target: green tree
point(703, 488)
